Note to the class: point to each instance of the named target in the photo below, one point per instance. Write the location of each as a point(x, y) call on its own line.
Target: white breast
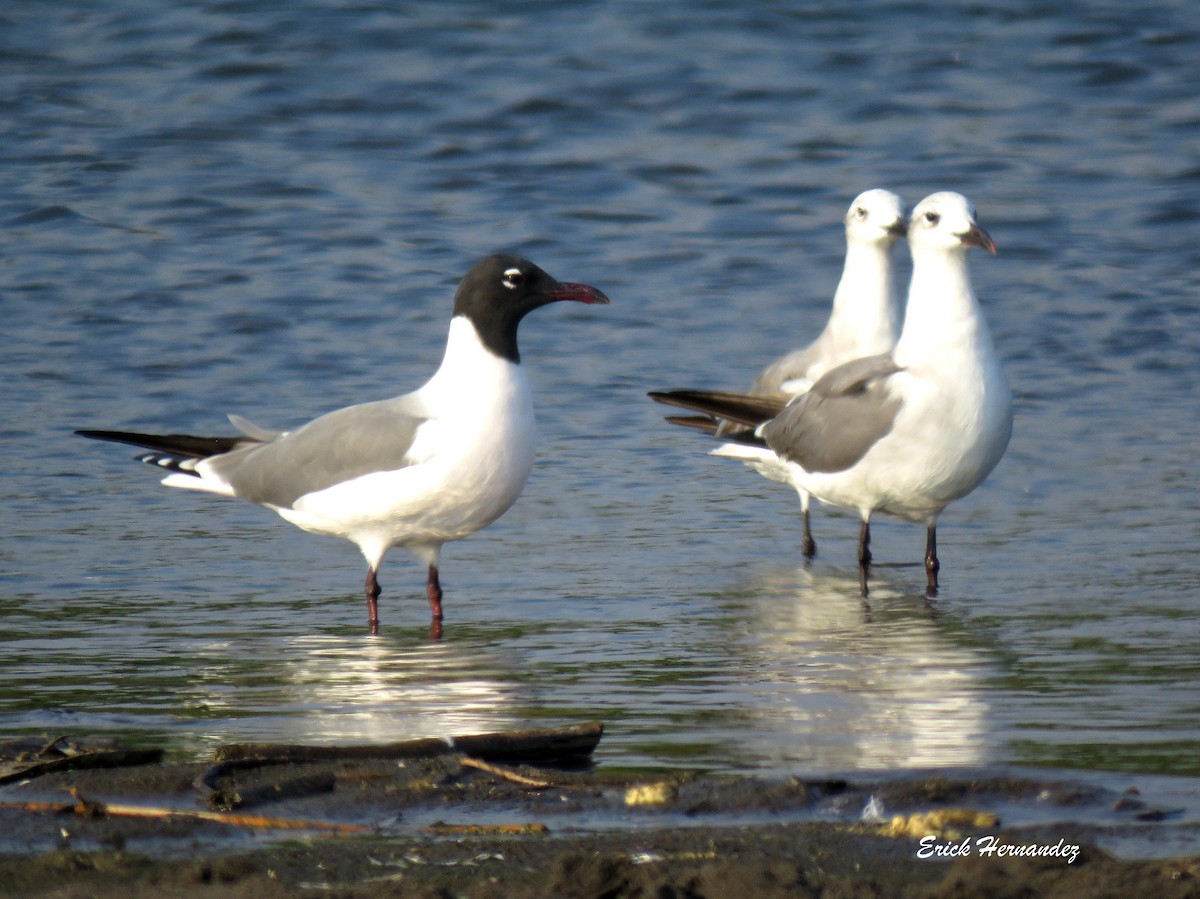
point(471, 459)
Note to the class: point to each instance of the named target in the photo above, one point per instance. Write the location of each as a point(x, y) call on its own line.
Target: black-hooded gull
point(415, 471)
point(906, 432)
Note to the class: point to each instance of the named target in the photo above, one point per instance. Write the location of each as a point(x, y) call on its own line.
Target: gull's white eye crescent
point(513, 278)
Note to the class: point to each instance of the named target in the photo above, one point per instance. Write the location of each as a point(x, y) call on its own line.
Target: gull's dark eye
point(932, 217)
point(861, 212)
point(513, 278)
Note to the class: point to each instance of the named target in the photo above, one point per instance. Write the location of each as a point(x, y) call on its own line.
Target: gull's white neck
point(942, 320)
point(864, 317)
point(470, 373)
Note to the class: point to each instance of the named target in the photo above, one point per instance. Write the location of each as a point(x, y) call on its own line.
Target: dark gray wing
point(336, 447)
point(832, 427)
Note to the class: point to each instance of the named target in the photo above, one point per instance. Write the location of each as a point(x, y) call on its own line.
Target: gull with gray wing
point(864, 321)
point(414, 471)
point(908, 432)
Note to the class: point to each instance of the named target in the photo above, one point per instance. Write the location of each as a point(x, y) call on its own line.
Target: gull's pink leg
point(433, 590)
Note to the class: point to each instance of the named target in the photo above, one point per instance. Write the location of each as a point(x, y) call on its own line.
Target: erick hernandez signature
point(990, 846)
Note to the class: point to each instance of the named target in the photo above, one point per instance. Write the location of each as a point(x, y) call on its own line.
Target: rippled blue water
point(263, 208)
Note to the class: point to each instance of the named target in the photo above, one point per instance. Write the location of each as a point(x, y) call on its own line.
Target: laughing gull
point(864, 321)
point(906, 432)
point(415, 471)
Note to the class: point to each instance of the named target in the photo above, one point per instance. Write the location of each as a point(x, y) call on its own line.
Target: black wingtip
point(129, 437)
point(747, 409)
point(172, 444)
point(703, 423)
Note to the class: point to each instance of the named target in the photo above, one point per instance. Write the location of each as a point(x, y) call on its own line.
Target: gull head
point(875, 217)
point(946, 221)
point(500, 290)
point(509, 287)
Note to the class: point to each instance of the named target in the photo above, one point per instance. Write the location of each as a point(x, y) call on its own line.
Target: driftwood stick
point(543, 744)
point(504, 773)
point(91, 808)
point(27, 770)
point(443, 829)
point(207, 785)
point(540, 744)
point(265, 753)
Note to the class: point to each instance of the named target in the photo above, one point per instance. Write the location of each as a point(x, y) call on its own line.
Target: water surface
point(263, 208)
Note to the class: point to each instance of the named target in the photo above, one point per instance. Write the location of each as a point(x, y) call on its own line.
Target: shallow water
point(263, 208)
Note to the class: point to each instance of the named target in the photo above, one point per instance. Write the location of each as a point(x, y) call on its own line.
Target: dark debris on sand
point(451, 824)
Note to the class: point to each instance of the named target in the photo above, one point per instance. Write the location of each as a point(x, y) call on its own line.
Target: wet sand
point(451, 824)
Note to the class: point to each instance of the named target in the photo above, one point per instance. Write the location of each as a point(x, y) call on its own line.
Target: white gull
point(864, 321)
point(908, 432)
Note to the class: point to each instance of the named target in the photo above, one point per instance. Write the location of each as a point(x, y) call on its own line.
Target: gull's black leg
point(932, 565)
point(372, 591)
point(864, 553)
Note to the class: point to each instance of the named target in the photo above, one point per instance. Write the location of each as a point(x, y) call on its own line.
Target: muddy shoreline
point(457, 824)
